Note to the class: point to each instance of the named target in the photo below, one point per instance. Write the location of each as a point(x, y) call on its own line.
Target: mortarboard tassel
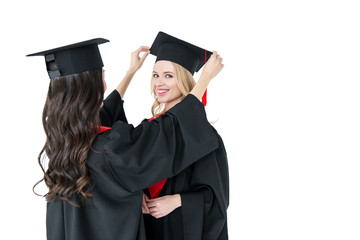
point(204, 97)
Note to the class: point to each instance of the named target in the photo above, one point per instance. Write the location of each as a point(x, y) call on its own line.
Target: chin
point(162, 101)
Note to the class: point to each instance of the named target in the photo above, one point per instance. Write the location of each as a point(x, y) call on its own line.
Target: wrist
point(177, 198)
point(205, 77)
point(131, 71)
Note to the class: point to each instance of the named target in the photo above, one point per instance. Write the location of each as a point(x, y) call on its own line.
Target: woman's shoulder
point(100, 140)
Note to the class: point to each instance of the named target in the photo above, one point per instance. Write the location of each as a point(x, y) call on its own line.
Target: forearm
point(136, 63)
point(121, 88)
point(211, 69)
point(200, 87)
point(177, 200)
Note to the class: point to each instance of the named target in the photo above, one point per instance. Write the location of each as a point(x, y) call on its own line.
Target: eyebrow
point(164, 72)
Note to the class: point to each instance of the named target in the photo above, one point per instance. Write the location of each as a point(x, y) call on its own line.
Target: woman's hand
point(136, 61)
point(213, 66)
point(145, 209)
point(162, 206)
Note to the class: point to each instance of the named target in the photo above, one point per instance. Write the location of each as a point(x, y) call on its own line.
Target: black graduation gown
point(112, 110)
point(125, 160)
point(204, 190)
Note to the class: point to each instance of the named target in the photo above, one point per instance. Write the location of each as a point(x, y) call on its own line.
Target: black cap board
point(74, 58)
point(169, 48)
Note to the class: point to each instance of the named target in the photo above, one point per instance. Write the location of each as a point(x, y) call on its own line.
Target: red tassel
point(204, 98)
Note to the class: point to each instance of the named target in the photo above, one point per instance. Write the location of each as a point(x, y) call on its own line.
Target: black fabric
point(204, 190)
point(125, 160)
point(112, 110)
point(189, 56)
point(75, 58)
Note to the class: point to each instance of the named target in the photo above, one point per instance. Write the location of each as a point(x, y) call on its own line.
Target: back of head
point(70, 118)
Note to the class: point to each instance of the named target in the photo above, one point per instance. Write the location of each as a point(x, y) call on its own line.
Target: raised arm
point(212, 67)
point(139, 157)
point(135, 65)
point(113, 109)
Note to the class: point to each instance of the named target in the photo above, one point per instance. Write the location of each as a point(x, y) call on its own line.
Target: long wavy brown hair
point(70, 120)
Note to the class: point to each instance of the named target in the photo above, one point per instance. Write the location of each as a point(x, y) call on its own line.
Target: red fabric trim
point(104, 129)
point(204, 98)
point(157, 187)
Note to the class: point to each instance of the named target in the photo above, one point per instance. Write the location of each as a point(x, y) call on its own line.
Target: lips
point(162, 92)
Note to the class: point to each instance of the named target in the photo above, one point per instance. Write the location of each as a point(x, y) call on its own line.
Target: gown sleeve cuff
point(112, 110)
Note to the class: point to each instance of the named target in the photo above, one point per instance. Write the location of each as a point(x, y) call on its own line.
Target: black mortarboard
point(169, 48)
point(74, 58)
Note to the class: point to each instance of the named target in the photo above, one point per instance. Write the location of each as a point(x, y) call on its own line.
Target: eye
point(168, 76)
point(155, 75)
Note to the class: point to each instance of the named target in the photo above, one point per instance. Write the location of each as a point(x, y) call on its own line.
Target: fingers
point(218, 58)
point(142, 59)
point(156, 212)
point(136, 60)
point(144, 210)
point(144, 206)
point(216, 55)
point(152, 204)
point(142, 49)
point(139, 50)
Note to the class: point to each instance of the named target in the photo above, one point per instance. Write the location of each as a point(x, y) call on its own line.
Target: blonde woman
point(192, 204)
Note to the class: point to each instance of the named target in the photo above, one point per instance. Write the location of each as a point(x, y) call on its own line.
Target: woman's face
point(164, 84)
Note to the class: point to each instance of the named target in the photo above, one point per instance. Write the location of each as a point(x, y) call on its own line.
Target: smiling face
point(164, 83)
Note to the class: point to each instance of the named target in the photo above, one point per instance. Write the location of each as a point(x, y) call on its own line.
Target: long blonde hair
point(185, 83)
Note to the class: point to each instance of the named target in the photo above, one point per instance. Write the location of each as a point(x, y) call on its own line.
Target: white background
point(286, 103)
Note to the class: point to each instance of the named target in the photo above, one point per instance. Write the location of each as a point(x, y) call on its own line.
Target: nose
point(159, 82)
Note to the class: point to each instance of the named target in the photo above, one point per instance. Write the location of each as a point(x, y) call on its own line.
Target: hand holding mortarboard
point(136, 61)
point(135, 65)
point(212, 67)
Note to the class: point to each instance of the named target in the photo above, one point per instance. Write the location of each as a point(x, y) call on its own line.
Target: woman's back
point(112, 212)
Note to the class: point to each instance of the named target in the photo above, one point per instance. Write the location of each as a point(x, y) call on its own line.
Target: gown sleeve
point(139, 157)
point(112, 110)
point(204, 208)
